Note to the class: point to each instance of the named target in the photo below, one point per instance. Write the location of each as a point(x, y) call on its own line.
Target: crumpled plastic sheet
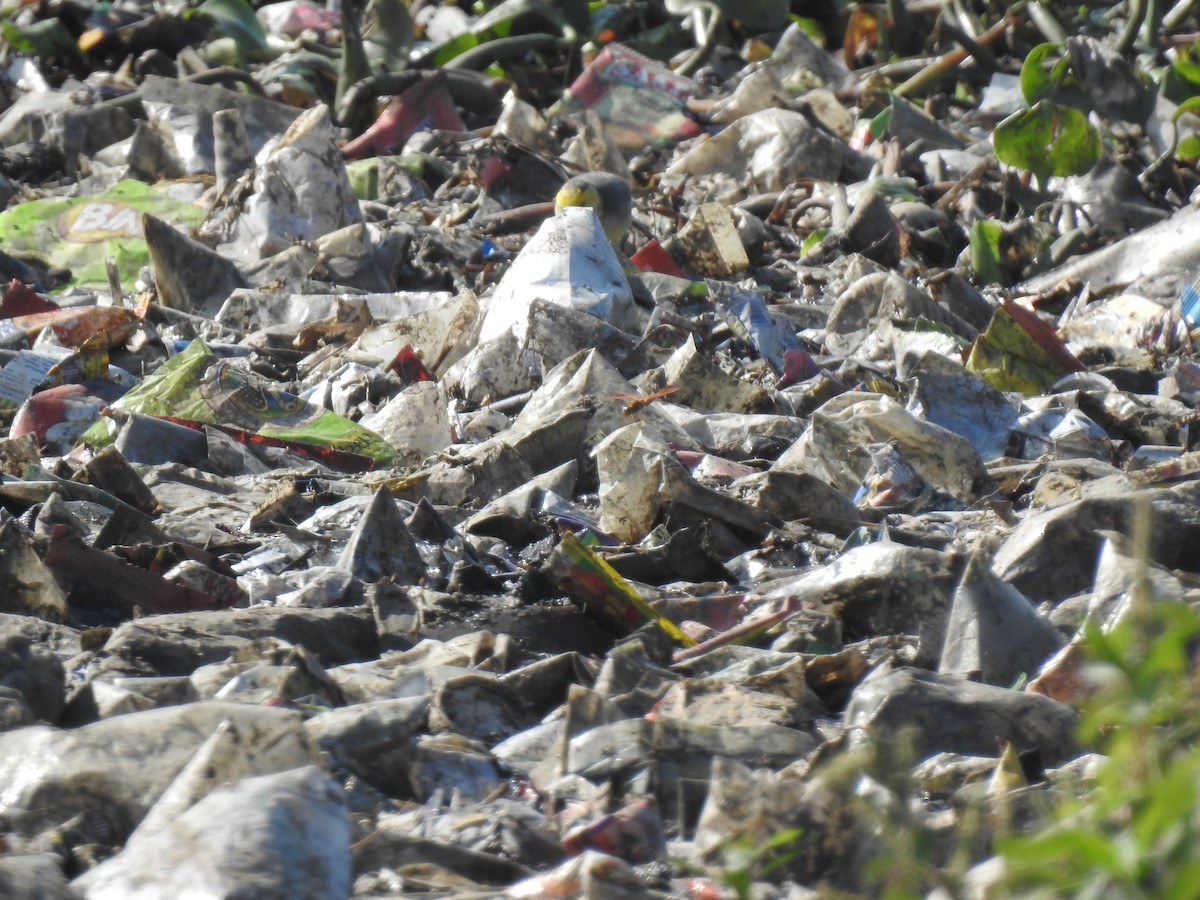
point(764, 151)
point(833, 448)
point(287, 832)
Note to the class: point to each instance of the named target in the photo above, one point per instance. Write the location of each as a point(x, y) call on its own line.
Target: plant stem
point(1137, 12)
point(951, 60)
point(1176, 14)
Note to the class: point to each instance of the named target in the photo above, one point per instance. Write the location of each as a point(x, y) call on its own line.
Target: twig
point(952, 60)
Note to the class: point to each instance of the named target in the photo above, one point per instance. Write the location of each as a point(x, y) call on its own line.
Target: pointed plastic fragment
point(285, 835)
point(994, 634)
point(221, 759)
point(111, 472)
point(381, 545)
point(301, 191)
point(190, 277)
point(26, 586)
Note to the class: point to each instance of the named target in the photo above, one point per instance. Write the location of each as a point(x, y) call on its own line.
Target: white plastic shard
point(568, 262)
point(381, 545)
point(281, 835)
point(301, 189)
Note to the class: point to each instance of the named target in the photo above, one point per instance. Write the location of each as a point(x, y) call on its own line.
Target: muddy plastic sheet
point(197, 387)
point(288, 831)
point(29, 588)
point(1130, 328)
point(1169, 250)
point(185, 111)
point(865, 313)
point(80, 234)
point(113, 757)
point(835, 446)
point(301, 189)
point(796, 469)
point(965, 404)
point(770, 148)
point(994, 634)
point(577, 382)
point(695, 381)
point(438, 328)
point(630, 464)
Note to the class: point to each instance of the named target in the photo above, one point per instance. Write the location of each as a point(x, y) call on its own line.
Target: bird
point(607, 194)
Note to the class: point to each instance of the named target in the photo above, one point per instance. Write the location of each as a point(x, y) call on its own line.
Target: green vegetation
point(1053, 136)
point(1136, 832)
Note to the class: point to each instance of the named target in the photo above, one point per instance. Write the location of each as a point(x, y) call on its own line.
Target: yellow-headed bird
point(605, 193)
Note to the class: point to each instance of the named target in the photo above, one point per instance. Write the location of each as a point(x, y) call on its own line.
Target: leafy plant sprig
point(1053, 136)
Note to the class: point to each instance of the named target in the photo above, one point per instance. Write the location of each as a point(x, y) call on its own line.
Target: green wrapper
point(196, 386)
point(80, 233)
point(603, 593)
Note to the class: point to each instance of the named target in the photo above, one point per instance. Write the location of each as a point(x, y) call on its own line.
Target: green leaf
point(1068, 851)
point(1168, 802)
point(1036, 82)
point(880, 124)
point(1048, 139)
point(811, 27)
point(1191, 105)
point(448, 49)
point(1181, 81)
point(1180, 880)
point(1076, 146)
point(1189, 148)
point(1023, 140)
point(813, 239)
point(532, 17)
point(235, 19)
point(984, 244)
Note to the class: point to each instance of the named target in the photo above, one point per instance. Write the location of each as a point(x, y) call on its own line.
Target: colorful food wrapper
point(640, 101)
point(72, 326)
point(57, 417)
point(603, 593)
point(78, 234)
point(197, 388)
point(50, 365)
point(27, 371)
point(1020, 352)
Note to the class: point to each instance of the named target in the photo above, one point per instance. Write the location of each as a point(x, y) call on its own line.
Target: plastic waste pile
point(374, 526)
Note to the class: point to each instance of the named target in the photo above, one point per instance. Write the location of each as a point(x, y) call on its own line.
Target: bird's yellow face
point(606, 195)
point(577, 195)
